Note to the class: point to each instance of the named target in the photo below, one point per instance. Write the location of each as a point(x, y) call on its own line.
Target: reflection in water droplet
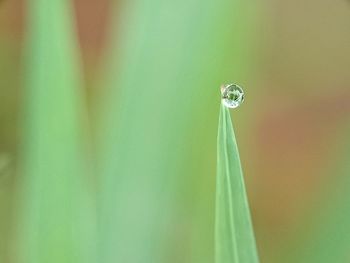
point(232, 95)
point(5, 164)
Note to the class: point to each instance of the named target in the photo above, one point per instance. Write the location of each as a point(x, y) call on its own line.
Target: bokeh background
point(293, 60)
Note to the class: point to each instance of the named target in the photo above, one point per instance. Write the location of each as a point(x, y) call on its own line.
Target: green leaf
point(234, 237)
point(55, 219)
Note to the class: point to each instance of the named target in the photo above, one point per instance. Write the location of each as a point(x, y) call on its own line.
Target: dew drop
point(232, 95)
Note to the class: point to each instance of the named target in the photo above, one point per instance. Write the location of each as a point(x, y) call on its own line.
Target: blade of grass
point(54, 224)
point(234, 237)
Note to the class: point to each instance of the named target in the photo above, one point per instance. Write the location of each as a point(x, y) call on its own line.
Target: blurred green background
point(149, 92)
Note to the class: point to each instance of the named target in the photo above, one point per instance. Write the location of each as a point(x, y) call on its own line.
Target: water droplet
point(232, 95)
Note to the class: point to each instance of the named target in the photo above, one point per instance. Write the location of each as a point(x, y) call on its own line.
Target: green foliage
point(166, 64)
point(235, 242)
point(54, 223)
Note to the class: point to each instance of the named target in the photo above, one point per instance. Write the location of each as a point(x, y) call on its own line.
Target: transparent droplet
point(232, 95)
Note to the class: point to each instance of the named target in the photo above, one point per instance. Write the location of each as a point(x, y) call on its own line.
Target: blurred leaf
point(323, 234)
point(235, 242)
point(55, 219)
point(167, 61)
